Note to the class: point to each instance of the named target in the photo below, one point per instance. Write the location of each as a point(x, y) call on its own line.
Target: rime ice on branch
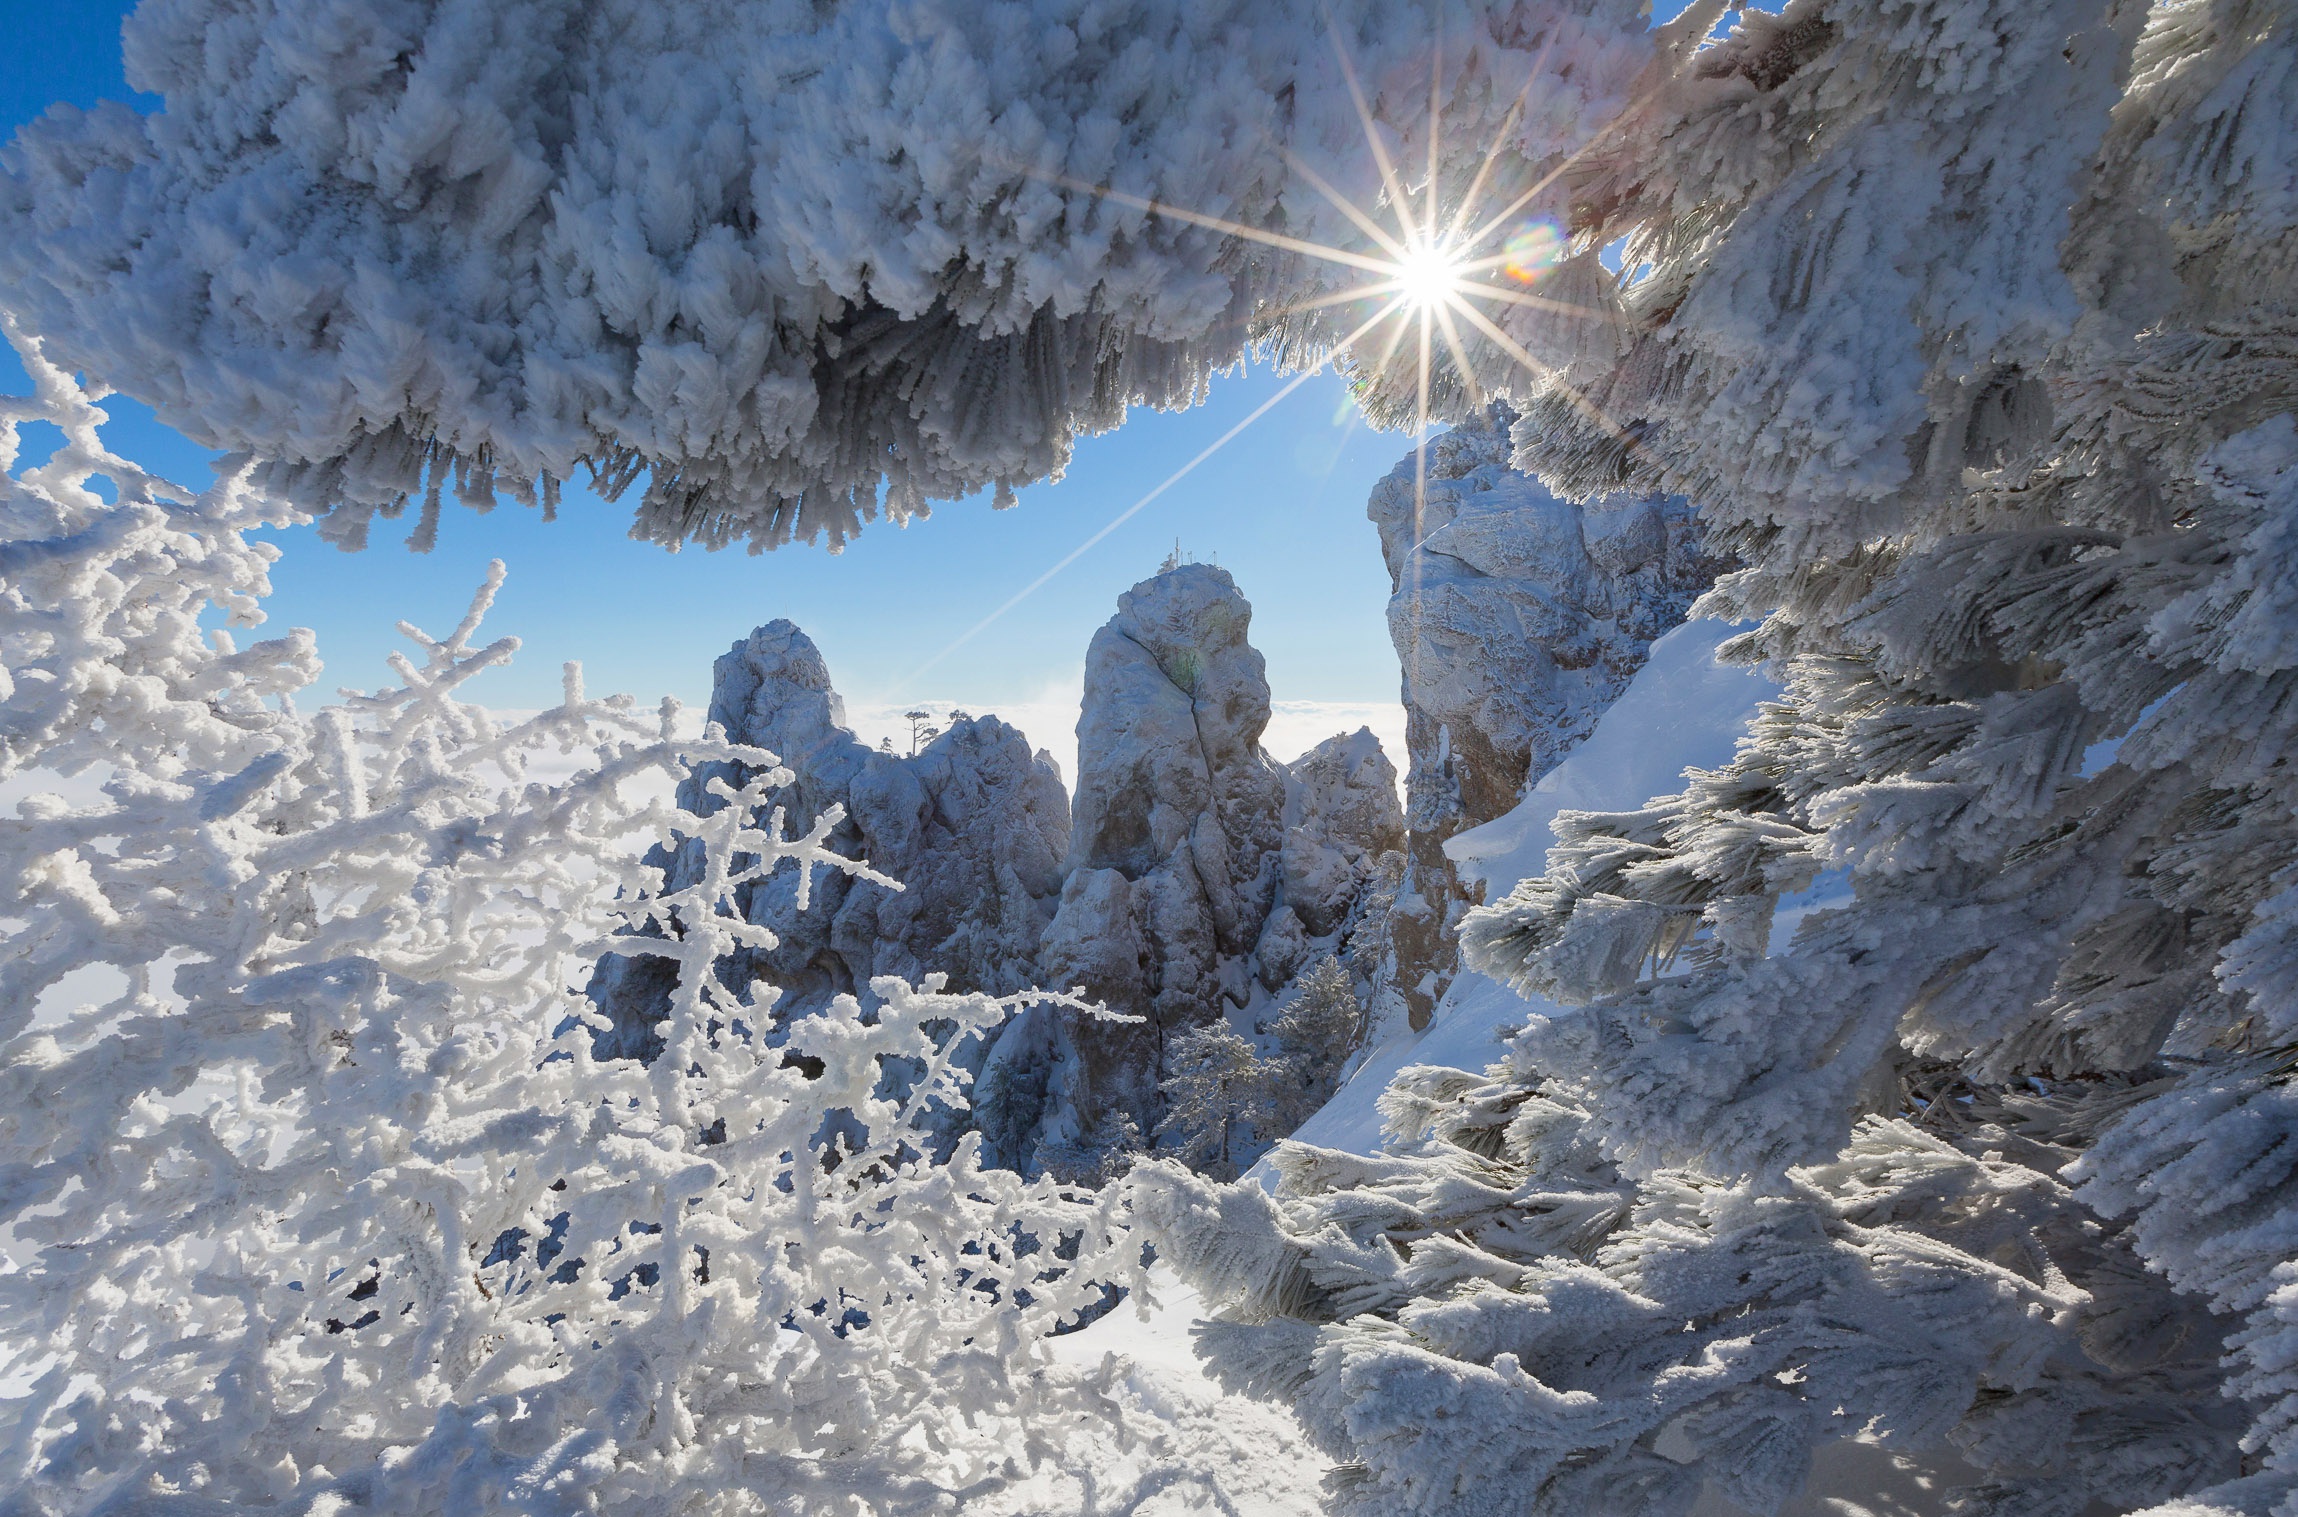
point(794, 265)
point(324, 1201)
point(974, 828)
point(1969, 326)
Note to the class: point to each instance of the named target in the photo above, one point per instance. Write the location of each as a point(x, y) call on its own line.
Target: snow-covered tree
point(1215, 1082)
point(1970, 327)
point(317, 1198)
point(793, 264)
point(1320, 1026)
point(1227, 1100)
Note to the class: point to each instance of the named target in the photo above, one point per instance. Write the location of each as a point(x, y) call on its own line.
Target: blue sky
point(1281, 507)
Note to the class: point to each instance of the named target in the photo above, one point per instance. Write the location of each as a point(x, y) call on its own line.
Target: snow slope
point(1683, 709)
point(1195, 1448)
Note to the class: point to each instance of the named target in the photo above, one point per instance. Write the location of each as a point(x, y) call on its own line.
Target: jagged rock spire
point(1518, 617)
point(975, 827)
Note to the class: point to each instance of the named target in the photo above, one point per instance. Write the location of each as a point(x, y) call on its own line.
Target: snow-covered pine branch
point(794, 264)
point(1969, 325)
point(316, 1197)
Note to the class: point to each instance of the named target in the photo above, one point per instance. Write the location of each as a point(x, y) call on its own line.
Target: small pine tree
point(1317, 1031)
point(1105, 1151)
point(1215, 1081)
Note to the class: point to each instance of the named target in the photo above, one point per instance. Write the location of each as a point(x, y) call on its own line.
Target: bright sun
point(1427, 276)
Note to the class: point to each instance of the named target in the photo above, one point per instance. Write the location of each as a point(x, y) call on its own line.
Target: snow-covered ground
point(1193, 1447)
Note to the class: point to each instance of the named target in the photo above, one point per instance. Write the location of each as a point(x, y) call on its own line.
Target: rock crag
point(975, 826)
point(1517, 618)
point(1192, 878)
point(1198, 865)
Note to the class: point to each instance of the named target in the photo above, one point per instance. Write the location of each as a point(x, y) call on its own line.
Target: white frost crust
point(783, 259)
point(328, 1204)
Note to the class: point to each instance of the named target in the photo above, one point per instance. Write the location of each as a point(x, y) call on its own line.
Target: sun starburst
point(1428, 277)
point(1424, 282)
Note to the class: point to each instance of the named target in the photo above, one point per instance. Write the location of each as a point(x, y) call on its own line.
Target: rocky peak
point(1170, 730)
point(1178, 824)
point(976, 827)
point(1192, 877)
point(1341, 814)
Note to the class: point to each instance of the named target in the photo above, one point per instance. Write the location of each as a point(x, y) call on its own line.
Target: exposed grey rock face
point(1192, 873)
point(1177, 847)
point(1518, 618)
point(975, 827)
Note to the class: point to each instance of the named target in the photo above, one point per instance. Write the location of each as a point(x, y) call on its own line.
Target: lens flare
point(1535, 249)
point(1429, 279)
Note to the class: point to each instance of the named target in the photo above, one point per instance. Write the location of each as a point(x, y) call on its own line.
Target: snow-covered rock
point(1196, 867)
point(1176, 851)
point(1341, 815)
point(1518, 617)
point(975, 827)
point(1682, 710)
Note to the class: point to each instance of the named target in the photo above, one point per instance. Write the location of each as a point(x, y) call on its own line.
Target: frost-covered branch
point(795, 265)
point(316, 1193)
point(1969, 328)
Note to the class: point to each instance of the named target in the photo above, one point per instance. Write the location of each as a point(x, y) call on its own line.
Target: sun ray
point(1337, 297)
point(1220, 224)
point(1548, 373)
point(1396, 195)
point(1484, 265)
point(1387, 354)
point(1170, 480)
point(1435, 130)
point(1483, 170)
point(1420, 416)
point(1420, 488)
point(1460, 361)
point(1507, 214)
point(1536, 302)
